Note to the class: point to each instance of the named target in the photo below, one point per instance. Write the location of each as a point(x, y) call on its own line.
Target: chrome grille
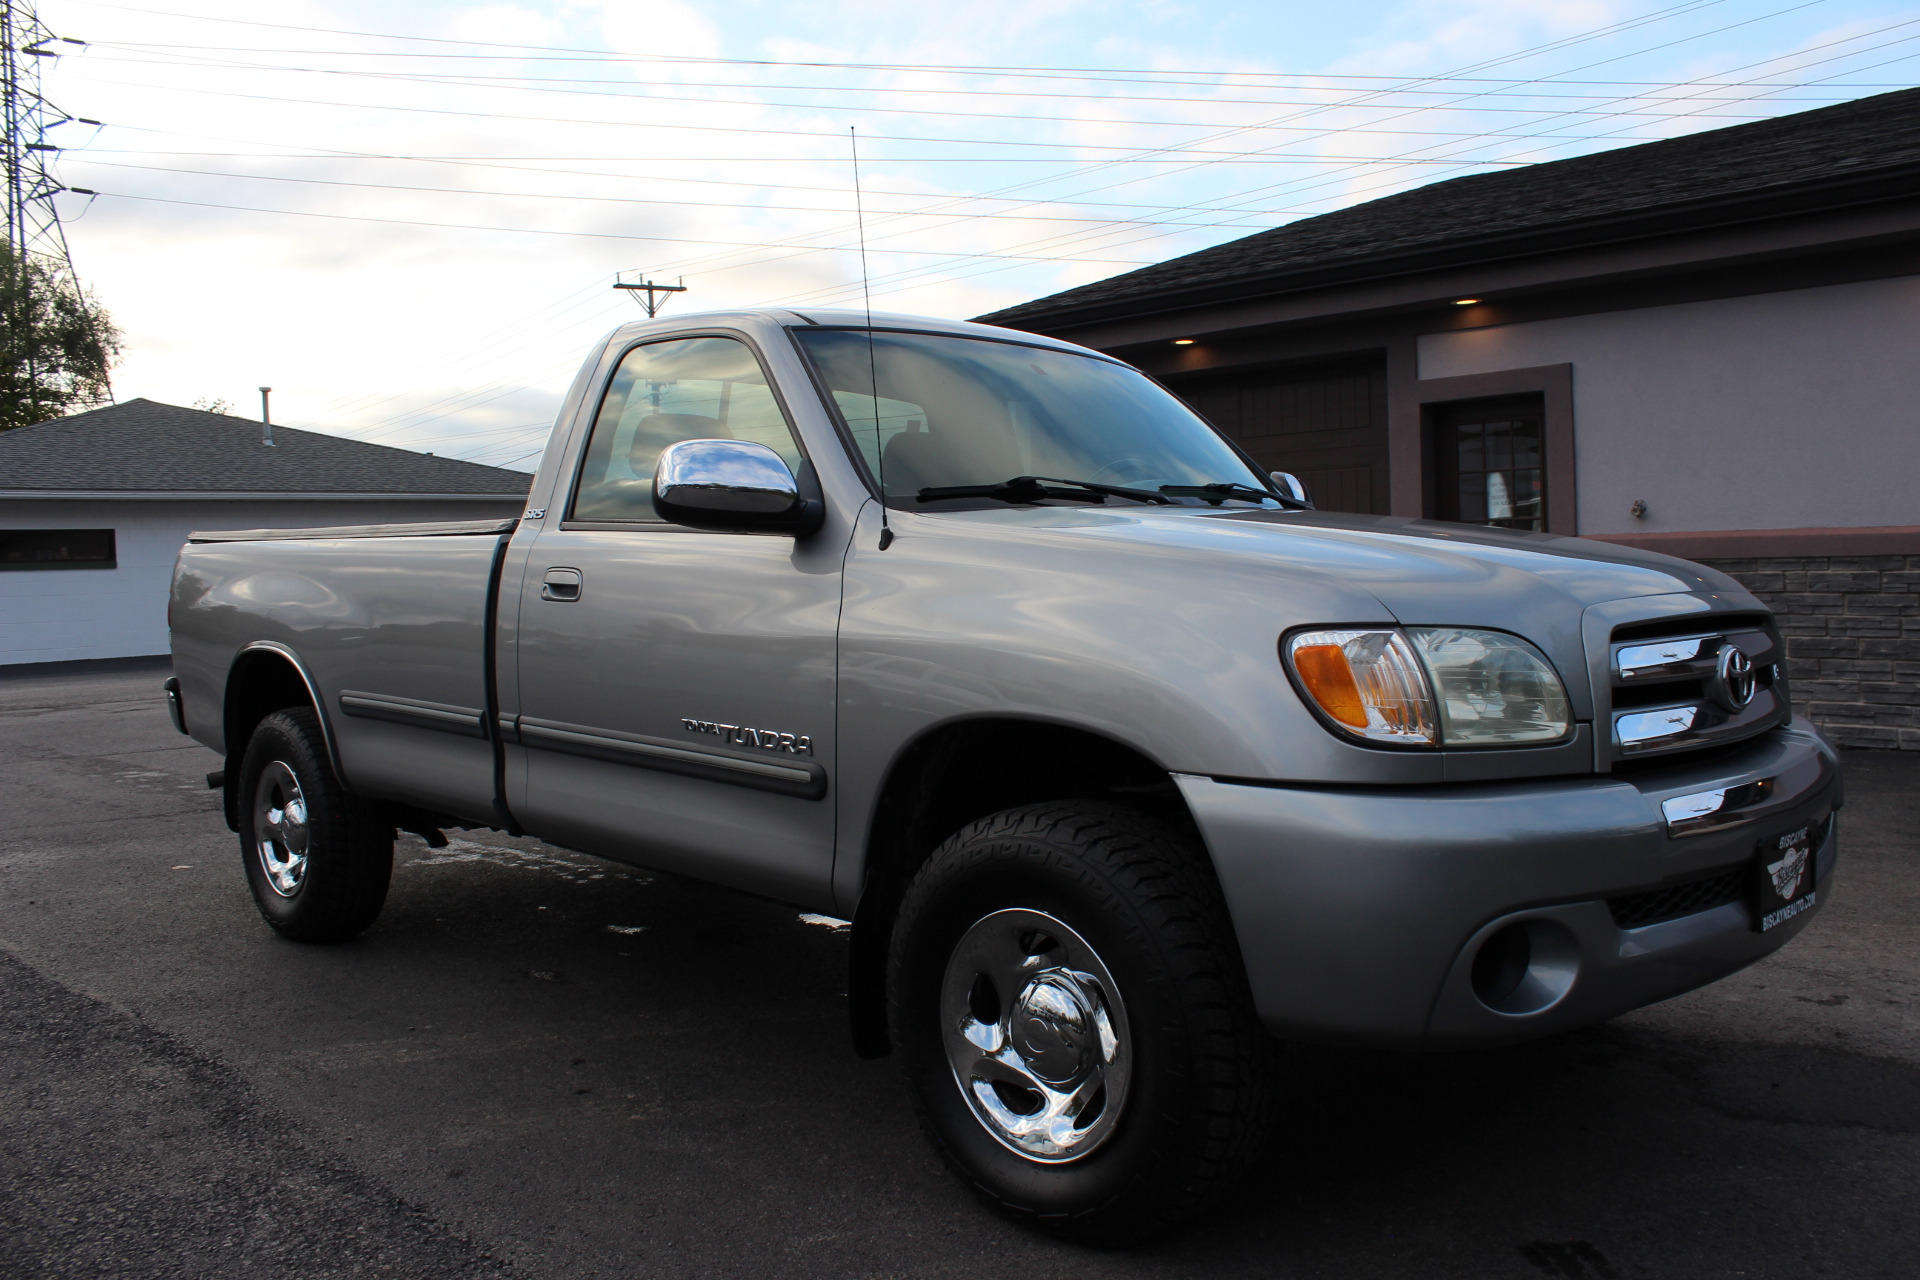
point(1706, 683)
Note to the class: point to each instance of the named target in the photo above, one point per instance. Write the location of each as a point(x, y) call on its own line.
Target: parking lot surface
point(540, 1064)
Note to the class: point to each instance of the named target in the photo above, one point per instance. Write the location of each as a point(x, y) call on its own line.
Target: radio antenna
point(873, 368)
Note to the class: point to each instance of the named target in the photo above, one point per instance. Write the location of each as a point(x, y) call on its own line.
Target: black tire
point(340, 887)
point(1197, 1097)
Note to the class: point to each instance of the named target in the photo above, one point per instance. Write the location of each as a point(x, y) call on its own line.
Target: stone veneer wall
point(1852, 627)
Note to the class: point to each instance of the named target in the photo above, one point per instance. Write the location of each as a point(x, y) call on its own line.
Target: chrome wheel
point(280, 828)
point(1036, 1033)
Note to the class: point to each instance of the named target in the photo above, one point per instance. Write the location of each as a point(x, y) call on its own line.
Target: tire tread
point(1163, 888)
point(350, 839)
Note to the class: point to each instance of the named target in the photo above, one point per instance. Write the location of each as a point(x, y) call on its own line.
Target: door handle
point(560, 584)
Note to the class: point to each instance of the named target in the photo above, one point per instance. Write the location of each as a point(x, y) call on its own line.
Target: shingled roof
point(1826, 158)
point(143, 446)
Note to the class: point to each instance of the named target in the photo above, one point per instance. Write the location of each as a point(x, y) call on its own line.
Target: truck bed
point(390, 628)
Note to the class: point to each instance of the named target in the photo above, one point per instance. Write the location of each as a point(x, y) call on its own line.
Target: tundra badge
point(741, 735)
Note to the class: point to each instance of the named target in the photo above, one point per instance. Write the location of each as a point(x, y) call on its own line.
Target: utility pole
point(655, 298)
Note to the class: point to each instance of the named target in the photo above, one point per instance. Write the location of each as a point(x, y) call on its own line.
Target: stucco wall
point(54, 615)
point(1778, 411)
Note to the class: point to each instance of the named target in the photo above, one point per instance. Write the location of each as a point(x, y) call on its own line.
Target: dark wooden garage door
point(1327, 425)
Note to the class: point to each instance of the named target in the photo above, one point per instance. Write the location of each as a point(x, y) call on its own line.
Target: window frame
point(578, 464)
point(1413, 401)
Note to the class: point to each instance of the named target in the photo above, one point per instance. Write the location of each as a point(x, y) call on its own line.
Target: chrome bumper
point(1361, 911)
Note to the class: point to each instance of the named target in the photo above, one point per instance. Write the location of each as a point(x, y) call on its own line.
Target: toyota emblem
point(1733, 680)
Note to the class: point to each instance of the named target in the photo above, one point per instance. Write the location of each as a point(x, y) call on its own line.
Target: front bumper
point(1360, 911)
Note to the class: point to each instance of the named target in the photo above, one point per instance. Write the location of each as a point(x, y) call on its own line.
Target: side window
point(663, 392)
point(875, 423)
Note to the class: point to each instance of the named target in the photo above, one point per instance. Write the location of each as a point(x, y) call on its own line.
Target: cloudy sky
point(408, 219)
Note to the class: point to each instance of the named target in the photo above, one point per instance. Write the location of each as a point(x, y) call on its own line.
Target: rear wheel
point(1073, 1022)
point(317, 859)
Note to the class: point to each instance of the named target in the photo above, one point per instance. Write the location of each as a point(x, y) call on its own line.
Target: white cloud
point(462, 341)
point(664, 26)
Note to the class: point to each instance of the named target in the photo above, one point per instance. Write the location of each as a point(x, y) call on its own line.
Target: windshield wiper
point(1221, 491)
point(1033, 488)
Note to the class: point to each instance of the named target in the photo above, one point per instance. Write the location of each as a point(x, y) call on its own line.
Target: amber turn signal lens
point(1368, 682)
point(1323, 669)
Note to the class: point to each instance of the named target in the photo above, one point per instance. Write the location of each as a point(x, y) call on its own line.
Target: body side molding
point(787, 776)
point(469, 722)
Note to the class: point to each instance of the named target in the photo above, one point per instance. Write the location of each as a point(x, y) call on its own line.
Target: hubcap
point(1036, 1034)
point(280, 828)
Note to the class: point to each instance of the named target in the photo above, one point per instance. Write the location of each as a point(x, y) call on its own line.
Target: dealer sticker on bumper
point(1785, 873)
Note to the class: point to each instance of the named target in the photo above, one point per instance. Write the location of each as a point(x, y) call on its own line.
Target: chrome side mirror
point(733, 486)
point(1289, 484)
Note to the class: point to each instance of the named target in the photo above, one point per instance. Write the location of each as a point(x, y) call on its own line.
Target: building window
point(57, 549)
point(1488, 466)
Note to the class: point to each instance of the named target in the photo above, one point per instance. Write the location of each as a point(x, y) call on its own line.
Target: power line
point(1360, 99)
point(528, 231)
point(1322, 159)
point(484, 162)
point(1416, 83)
point(648, 91)
point(758, 131)
point(1079, 73)
point(1185, 158)
point(902, 276)
point(615, 59)
point(473, 352)
point(619, 200)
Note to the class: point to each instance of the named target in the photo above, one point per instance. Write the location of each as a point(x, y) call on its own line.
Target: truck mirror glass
point(733, 486)
point(1289, 484)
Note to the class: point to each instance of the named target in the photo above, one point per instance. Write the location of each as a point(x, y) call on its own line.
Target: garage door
point(1327, 425)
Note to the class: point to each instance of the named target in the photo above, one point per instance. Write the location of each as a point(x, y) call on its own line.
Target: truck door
point(676, 688)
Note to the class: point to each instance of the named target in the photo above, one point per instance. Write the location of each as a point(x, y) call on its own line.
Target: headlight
point(1494, 689)
point(1379, 685)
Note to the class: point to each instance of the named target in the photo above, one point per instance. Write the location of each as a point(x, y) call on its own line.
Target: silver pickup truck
point(1125, 763)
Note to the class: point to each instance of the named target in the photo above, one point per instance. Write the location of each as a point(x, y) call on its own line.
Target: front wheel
point(317, 858)
point(1073, 1020)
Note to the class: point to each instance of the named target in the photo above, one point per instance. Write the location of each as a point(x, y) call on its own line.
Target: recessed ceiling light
point(1466, 302)
point(1183, 342)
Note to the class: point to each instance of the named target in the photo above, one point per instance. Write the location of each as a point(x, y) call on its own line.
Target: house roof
point(1827, 158)
point(142, 446)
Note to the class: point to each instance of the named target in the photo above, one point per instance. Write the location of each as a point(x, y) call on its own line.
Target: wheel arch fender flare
point(910, 817)
point(260, 666)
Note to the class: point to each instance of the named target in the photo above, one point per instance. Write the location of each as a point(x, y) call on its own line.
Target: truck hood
point(1325, 568)
point(1424, 572)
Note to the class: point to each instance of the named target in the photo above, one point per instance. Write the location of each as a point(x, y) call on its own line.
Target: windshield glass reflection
point(935, 411)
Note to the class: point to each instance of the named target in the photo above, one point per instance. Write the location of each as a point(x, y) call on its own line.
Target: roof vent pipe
point(266, 419)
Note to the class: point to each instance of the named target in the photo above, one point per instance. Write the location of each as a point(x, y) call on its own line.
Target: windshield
point(953, 411)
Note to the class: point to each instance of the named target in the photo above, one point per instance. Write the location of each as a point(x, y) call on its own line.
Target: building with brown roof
point(1706, 345)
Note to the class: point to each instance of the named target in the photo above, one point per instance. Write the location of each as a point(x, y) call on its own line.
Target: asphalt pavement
point(540, 1064)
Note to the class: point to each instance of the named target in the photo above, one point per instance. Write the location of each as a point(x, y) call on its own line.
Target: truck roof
point(843, 317)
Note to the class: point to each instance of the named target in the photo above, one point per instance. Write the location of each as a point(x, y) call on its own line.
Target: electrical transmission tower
point(37, 242)
point(33, 221)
